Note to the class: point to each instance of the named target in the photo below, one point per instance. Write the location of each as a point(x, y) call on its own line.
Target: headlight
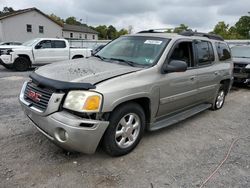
point(83, 101)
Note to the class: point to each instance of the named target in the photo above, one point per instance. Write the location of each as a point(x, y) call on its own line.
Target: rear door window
point(223, 51)
point(58, 44)
point(205, 54)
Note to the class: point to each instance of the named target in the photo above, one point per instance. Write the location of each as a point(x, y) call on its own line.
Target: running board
point(179, 117)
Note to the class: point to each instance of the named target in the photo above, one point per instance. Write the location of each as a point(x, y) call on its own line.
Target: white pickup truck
point(39, 51)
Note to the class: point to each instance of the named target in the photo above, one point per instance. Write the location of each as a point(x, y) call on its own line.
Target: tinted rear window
point(223, 51)
point(59, 44)
point(204, 52)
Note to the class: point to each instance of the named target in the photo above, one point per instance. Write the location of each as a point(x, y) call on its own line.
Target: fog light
point(61, 135)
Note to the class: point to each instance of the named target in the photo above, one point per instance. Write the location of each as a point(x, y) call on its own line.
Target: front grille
point(239, 67)
point(42, 97)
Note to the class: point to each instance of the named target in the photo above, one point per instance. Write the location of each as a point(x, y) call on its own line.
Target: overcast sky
point(142, 14)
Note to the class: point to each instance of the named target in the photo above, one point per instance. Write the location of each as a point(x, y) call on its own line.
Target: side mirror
point(174, 66)
point(38, 46)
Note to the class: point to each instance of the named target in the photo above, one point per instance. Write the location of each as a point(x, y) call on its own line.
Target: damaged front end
point(242, 73)
point(43, 101)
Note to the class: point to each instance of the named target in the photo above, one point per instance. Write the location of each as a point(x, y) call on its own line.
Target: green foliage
point(180, 28)
point(72, 21)
point(109, 32)
point(233, 33)
point(102, 30)
point(57, 19)
point(222, 29)
point(243, 27)
point(6, 10)
point(241, 30)
point(122, 32)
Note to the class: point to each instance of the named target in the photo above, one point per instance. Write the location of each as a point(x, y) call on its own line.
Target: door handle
point(216, 73)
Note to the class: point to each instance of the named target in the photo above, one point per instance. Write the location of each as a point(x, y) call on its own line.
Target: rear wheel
point(77, 57)
point(127, 124)
point(220, 99)
point(21, 64)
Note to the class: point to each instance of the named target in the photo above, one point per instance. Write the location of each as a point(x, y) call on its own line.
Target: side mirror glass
point(174, 66)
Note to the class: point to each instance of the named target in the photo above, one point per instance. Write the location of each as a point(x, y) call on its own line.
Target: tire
point(220, 98)
point(121, 137)
point(21, 64)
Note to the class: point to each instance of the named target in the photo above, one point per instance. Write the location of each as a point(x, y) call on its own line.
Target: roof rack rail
point(150, 31)
point(158, 30)
point(210, 36)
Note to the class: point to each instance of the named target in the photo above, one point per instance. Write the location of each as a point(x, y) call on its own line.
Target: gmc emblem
point(34, 96)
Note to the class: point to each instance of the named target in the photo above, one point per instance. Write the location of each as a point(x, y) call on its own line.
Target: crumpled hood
point(241, 60)
point(91, 70)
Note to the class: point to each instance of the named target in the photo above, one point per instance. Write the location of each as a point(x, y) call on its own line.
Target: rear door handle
point(216, 73)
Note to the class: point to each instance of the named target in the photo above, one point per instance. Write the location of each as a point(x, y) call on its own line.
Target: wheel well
point(77, 56)
point(144, 102)
point(226, 85)
point(26, 57)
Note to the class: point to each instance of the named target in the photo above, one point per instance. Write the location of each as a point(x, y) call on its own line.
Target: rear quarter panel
point(85, 52)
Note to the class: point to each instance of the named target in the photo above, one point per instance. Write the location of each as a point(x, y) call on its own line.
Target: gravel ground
point(182, 155)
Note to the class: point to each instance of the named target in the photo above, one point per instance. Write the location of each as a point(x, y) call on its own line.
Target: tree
point(111, 32)
point(57, 19)
point(221, 29)
point(243, 27)
point(102, 30)
point(122, 32)
point(233, 34)
point(6, 10)
point(72, 21)
point(181, 28)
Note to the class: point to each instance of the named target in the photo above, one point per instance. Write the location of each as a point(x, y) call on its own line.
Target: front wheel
point(21, 64)
point(127, 124)
point(220, 99)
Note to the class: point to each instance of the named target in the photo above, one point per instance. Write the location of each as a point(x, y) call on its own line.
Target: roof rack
point(186, 33)
point(150, 31)
point(158, 30)
point(210, 36)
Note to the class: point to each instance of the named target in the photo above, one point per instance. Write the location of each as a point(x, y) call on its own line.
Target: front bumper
point(70, 132)
point(242, 78)
point(5, 60)
point(4, 64)
point(242, 75)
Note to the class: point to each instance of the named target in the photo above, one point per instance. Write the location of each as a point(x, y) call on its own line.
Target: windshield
point(241, 51)
point(30, 42)
point(137, 50)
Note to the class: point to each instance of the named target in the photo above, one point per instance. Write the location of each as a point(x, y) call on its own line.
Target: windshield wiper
point(241, 57)
point(131, 63)
point(100, 57)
